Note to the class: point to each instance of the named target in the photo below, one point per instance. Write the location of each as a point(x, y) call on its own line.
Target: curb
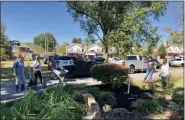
point(93, 108)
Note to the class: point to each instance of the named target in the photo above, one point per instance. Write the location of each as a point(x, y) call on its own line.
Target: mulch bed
point(123, 99)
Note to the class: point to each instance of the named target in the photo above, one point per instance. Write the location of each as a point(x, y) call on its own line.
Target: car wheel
point(182, 65)
point(132, 69)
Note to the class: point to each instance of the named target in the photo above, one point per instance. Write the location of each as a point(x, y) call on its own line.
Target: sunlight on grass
point(7, 73)
point(179, 82)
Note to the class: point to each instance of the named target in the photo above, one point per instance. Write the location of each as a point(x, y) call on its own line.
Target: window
point(131, 58)
point(64, 58)
point(178, 59)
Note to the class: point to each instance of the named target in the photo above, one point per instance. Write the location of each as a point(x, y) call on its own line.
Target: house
point(87, 49)
point(173, 51)
point(18, 47)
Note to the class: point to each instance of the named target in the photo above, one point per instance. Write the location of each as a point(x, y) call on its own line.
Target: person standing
point(37, 70)
point(165, 72)
point(150, 70)
point(18, 68)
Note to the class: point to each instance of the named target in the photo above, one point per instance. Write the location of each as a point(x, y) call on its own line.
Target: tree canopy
point(46, 41)
point(36, 48)
point(76, 40)
point(90, 39)
point(162, 51)
point(121, 22)
point(61, 48)
point(5, 48)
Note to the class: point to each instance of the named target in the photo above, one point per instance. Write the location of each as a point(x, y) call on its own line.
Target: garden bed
point(123, 99)
point(56, 103)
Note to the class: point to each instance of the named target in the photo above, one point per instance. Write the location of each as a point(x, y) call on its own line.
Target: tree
point(162, 51)
point(90, 39)
point(61, 49)
point(45, 40)
point(77, 40)
point(124, 22)
point(4, 44)
point(35, 48)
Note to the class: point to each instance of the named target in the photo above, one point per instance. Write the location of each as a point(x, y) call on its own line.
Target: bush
point(107, 98)
point(151, 106)
point(110, 73)
point(178, 95)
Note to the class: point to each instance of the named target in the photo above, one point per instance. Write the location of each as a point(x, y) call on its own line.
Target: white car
point(177, 62)
point(116, 60)
point(64, 61)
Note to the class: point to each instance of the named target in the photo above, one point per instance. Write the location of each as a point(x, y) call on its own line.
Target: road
point(8, 88)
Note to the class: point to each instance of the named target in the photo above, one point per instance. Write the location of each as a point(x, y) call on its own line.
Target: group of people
point(164, 73)
point(18, 68)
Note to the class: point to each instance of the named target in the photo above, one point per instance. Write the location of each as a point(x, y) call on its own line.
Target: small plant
point(106, 108)
point(95, 91)
point(110, 74)
point(150, 106)
point(107, 98)
point(178, 95)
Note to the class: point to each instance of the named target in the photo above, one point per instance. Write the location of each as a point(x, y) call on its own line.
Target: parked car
point(116, 60)
point(134, 62)
point(100, 59)
point(46, 59)
point(177, 62)
point(64, 61)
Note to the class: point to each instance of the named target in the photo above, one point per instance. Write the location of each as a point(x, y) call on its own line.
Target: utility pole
point(45, 42)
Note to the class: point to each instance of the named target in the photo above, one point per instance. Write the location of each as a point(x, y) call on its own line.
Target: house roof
point(24, 45)
point(173, 49)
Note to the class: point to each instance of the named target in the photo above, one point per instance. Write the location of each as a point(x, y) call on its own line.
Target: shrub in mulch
point(110, 74)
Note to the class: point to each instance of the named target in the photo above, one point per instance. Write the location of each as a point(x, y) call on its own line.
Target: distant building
point(88, 50)
point(17, 46)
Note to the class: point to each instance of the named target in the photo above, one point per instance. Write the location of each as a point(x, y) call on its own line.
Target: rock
point(123, 114)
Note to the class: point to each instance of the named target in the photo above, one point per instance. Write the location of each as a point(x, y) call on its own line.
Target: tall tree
point(162, 51)
point(35, 48)
point(124, 22)
point(61, 48)
point(46, 40)
point(76, 40)
point(4, 44)
point(90, 39)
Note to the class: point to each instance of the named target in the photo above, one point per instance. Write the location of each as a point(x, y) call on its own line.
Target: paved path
point(8, 87)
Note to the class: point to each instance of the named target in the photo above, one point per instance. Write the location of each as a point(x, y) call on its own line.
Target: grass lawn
point(7, 73)
point(179, 82)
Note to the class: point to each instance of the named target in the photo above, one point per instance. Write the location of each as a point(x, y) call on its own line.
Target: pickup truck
point(135, 63)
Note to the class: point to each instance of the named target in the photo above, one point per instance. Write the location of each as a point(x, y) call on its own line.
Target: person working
point(165, 72)
point(18, 68)
point(150, 70)
point(37, 70)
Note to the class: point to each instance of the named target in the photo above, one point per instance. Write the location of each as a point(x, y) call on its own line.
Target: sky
point(25, 20)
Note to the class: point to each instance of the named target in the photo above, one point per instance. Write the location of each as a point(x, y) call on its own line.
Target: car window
point(131, 58)
point(178, 59)
point(64, 58)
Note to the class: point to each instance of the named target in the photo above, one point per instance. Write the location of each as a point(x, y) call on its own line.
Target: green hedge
point(110, 73)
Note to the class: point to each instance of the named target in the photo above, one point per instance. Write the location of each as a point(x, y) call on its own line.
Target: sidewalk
point(8, 87)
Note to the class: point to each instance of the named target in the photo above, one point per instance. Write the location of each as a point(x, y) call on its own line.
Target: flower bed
point(56, 103)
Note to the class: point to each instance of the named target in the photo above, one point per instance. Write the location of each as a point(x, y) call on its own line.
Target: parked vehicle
point(100, 59)
point(46, 59)
point(157, 64)
point(64, 61)
point(116, 60)
point(134, 62)
point(177, 62)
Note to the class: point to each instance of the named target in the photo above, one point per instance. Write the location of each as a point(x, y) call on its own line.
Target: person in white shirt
point(37, 70)
point(165, 72)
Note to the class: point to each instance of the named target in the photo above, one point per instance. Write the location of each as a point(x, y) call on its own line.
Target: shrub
point(107, 98)
point(150, 106)
point(110, 73)
point(178, 95)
